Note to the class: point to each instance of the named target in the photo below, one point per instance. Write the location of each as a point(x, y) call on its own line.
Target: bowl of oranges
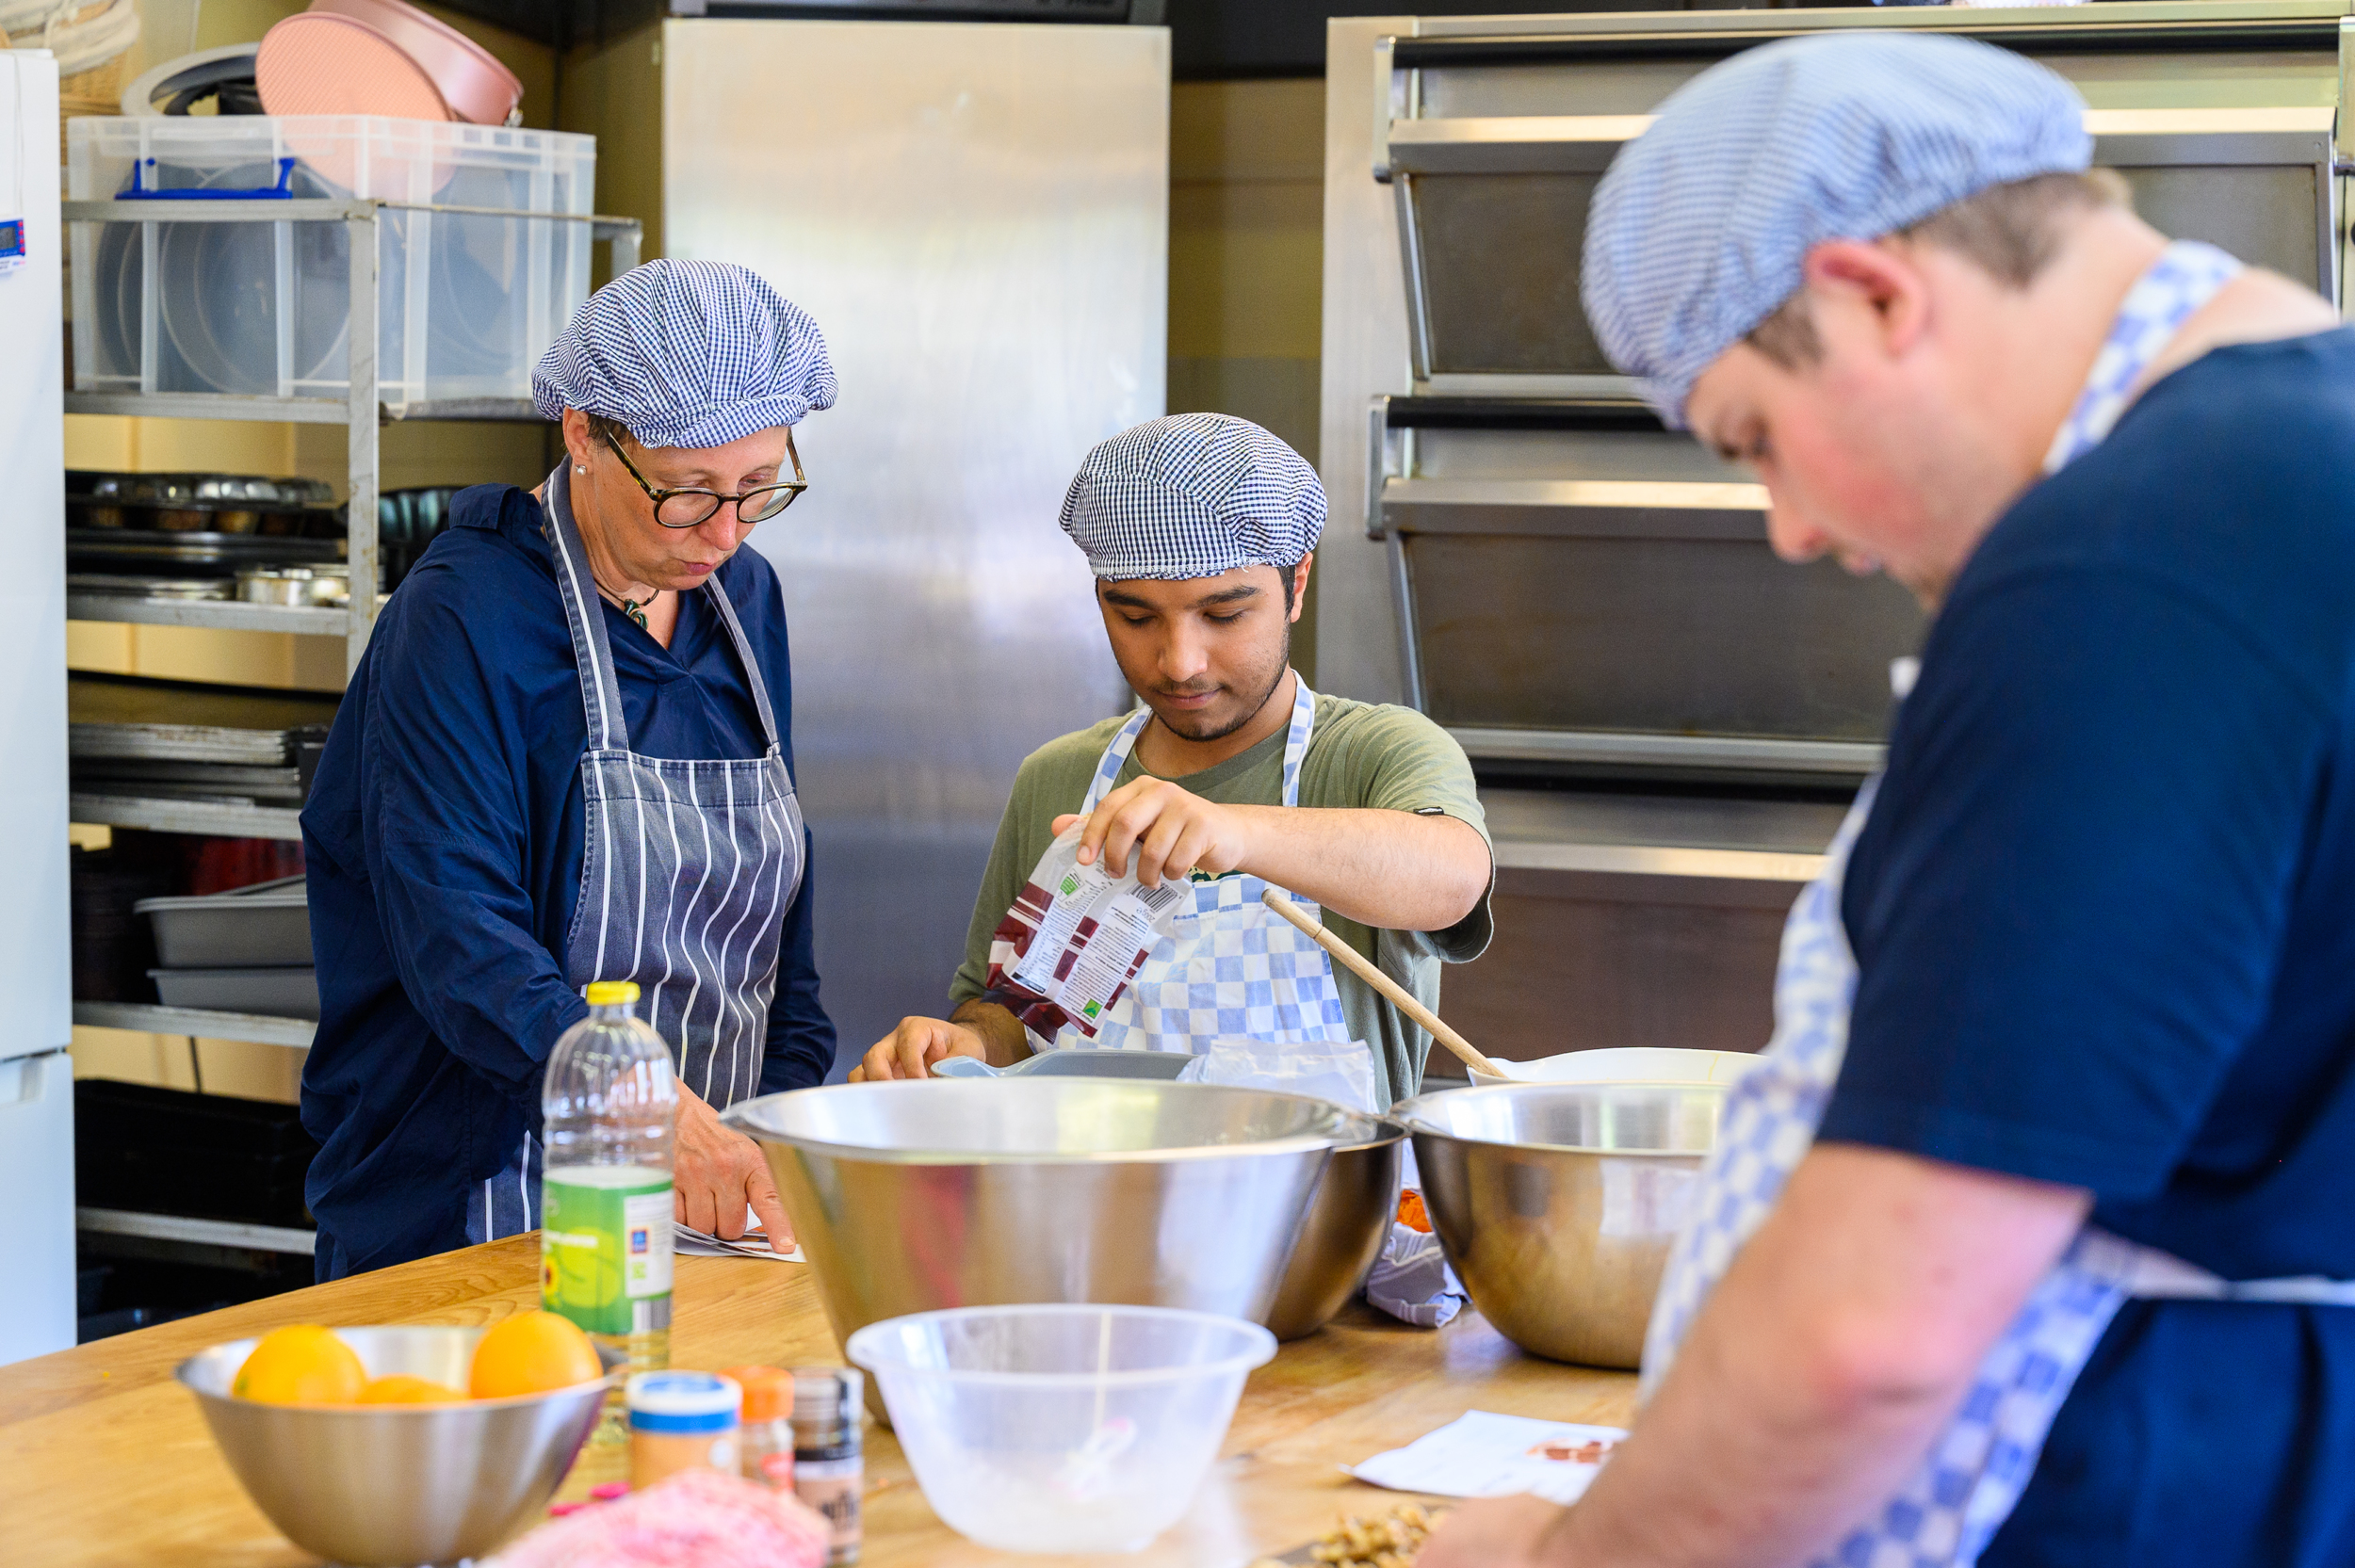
point(403, 1445)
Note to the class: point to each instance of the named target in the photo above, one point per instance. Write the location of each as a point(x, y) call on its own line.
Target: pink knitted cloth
point(696, 1519)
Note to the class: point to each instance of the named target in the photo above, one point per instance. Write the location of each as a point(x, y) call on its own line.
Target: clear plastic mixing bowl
point(1060, 1429)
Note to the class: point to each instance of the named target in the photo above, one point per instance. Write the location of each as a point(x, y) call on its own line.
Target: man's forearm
point(1824, 1364)
point(1390, 870)
point(1001, 1032)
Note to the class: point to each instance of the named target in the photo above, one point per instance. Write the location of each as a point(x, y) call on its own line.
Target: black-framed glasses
point(693, 508)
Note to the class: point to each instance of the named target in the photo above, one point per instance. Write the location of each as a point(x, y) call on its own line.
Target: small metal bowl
point(380, 1486)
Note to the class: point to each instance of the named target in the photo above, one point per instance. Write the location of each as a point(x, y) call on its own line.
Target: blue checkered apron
point(1973, 1476)
point(1230, 965)
point(688, 871)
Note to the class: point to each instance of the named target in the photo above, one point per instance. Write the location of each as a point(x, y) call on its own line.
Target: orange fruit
point(301, 1364)
point(532, 1352)
point(402, 1389)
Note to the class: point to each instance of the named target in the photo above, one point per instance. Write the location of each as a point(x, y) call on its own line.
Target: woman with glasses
point(566, 757)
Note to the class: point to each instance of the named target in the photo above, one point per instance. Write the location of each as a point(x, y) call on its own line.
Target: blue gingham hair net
point(1698, 232)
point(1193, 496)
point(687, 353)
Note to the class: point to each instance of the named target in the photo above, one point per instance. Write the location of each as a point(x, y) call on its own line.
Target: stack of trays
point(248, 950)
point(164, 740)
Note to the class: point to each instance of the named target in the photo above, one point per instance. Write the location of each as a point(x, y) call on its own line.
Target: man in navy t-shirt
point(2102, 912)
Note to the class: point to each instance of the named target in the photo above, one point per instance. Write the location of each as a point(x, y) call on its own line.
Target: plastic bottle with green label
point(608, 1118)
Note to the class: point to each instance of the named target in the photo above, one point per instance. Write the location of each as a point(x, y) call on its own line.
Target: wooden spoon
point(1399, 995)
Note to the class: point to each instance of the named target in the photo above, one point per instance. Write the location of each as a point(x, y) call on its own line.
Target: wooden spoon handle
point(1399, 995)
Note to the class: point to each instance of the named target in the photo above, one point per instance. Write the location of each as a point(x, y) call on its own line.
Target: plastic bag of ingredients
point(1073, 941)
point(1341, 1071)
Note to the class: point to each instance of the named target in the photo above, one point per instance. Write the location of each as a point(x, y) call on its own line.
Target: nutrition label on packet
point(1076, 936)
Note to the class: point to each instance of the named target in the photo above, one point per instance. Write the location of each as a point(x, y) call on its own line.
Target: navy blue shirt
point(2103, 916)
point(444, 838)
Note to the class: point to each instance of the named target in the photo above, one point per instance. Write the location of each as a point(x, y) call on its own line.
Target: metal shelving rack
point(362, 411)
point(363, 414)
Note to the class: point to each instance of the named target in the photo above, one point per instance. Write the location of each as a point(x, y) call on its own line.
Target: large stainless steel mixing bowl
point(397, 1485)
point(918, 1194)
point(1557, 1205)
point(1348, 1220)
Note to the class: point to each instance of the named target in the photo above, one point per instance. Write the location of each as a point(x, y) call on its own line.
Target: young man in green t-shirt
point(1200, 529)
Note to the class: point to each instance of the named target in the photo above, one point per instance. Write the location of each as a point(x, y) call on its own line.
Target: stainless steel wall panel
point(977, 216)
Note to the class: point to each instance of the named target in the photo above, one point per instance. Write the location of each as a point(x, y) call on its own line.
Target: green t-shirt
point(1359, 755)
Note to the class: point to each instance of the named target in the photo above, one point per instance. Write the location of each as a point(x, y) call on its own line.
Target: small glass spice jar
point(768, 1451)
point(680, 1421)
point(829, 1466)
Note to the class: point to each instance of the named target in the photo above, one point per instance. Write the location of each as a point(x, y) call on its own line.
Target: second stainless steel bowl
point(1348, 1220)
point(1557, 1205)
point(910, 1196)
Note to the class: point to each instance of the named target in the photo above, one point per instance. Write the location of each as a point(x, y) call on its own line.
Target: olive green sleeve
point(1391, 759)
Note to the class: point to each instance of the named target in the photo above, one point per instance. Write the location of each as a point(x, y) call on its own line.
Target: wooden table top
point(104, 1460)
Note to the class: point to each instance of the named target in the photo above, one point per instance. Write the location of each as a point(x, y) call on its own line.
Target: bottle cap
point(683, 1402)
point(826, 1403)
point(606, 993)
point(768, 1391)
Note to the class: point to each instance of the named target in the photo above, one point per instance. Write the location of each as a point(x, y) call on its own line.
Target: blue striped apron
point(688, 870)
point(1973, 1475)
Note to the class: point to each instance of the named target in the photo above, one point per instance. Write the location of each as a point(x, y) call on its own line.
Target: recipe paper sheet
point(687, 1242)
point(1484, 1455)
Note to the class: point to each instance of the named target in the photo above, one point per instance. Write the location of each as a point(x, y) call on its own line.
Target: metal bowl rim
point(1407, 1116)
point(1290, 1143)
point(1264, 1348)
point(611, 1360)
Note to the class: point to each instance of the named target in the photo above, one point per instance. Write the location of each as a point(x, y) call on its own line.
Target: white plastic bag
point(1341, 1071)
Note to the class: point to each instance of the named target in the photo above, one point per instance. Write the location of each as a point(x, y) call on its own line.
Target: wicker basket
point(97, 90)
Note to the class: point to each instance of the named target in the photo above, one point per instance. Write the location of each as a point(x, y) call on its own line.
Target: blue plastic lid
point(685, 1402)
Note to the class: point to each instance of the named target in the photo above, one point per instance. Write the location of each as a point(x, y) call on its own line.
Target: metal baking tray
point(190, 781)
point(223, 553)
point(217, 503)
point(268, 925)
point(148, 587)
point(167, 721)
point(279, 993)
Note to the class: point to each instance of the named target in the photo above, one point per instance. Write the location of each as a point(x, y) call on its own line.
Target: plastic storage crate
point(466, 302)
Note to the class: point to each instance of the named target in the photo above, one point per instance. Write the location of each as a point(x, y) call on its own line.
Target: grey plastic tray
point(268, 925)
point(284, 992)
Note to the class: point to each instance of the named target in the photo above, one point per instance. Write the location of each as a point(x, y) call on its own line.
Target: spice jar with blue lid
point(682, 1421)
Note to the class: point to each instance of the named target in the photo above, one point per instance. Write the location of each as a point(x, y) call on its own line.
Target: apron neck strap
point(2186, 275)
point(592, 651)
point(726, 607)
point(600, 693)
point(1115, 757)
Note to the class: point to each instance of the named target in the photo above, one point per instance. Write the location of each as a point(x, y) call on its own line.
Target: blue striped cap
point(1193, 496)
point(687, 353)
point(1698, 232)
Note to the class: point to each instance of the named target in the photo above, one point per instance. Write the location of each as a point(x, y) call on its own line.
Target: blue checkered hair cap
point(687, 353)
point(1193, 496)
point(1699, 230)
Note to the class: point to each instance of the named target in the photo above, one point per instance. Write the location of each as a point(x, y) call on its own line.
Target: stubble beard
point(1201, 733)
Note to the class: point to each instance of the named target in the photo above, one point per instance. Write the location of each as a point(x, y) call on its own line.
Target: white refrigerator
point(36, 946)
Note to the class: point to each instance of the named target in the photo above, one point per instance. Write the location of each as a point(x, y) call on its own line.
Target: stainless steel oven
point(1587, 600)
